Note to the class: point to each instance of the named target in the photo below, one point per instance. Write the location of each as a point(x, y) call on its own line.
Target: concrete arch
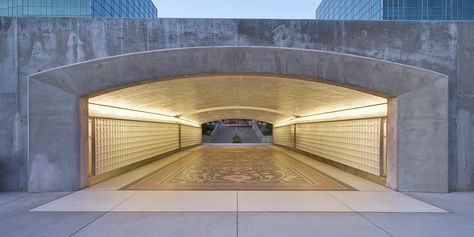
point(260, 115)
point(417, 111)
point(235, 108)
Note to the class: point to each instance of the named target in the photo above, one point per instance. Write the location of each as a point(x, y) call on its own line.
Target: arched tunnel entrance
point(358, 114)
point(338, 125)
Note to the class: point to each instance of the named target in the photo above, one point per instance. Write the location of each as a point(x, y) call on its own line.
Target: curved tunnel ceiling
point(259, 115)
point(208, 98)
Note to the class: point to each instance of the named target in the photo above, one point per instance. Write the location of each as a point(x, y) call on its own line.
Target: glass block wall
point(396, 10)
point(355, 143)
point(94, 8)
point(190, 136)
point(284, 135)
point(118, 143)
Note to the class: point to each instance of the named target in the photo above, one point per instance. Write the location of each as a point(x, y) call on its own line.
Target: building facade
point(87, 8)
point(396, 10)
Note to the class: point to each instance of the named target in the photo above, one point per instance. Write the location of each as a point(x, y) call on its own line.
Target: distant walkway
point(246, 133)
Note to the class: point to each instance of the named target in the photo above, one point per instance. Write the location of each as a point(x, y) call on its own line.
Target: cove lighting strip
point(379, 110)
point(104, 111)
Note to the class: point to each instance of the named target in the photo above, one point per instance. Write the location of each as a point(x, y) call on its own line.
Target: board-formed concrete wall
point(31, 45)
point(417, 151)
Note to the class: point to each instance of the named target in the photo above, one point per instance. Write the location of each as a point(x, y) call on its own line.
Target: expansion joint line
point(365, 218)
point(237, 214)
point(101, 215)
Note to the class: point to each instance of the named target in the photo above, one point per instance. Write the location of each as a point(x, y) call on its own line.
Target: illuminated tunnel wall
point(120, 138)
point(160, 106)
point(355, 139)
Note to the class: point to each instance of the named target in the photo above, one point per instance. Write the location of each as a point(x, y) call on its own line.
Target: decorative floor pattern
point(237, 168)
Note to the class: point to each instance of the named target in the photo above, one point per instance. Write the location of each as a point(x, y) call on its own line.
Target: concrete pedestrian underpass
point(169, 93)
point(57, 73)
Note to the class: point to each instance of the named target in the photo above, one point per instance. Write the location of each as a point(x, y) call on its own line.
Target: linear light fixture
point(378, 110)
point(105, 111)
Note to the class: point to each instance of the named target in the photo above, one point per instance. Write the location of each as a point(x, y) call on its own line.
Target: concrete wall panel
point(422, 122)
point(44, 43)
point(10, 170)
point(464, 113)
point(54, 157)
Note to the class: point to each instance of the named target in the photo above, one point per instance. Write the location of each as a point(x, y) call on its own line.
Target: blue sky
point(278, 9)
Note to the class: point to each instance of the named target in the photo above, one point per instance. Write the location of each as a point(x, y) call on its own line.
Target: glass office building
point(91, 8)
point(396, 10)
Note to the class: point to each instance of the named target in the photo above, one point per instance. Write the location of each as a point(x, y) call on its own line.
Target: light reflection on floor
point(237, 168)
point(106, 196)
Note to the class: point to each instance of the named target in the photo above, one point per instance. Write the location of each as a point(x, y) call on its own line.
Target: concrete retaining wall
point(31, 45)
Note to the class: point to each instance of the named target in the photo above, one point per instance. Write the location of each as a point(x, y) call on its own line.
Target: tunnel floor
point(238, 168)
point(232, 171)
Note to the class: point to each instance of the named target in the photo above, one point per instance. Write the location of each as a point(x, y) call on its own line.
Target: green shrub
point(267, 129)
point(207, 128)
point(236, 138)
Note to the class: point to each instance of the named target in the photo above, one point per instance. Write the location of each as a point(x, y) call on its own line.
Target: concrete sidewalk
point(16, 220)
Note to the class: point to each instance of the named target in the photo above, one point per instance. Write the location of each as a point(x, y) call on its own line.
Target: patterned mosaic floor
point(237, 168)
